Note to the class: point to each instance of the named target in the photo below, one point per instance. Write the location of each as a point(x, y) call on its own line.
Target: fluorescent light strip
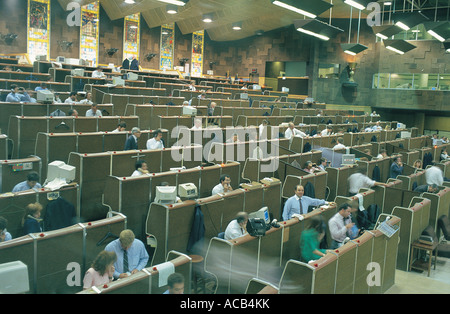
point(350, 52)
point(403, 26)
point(435, 35)
point(387, 3)
point(290, 7)
point(381, 36)
point(355, 4)
point(207, 20)
point(312, 33)
point(176, 2)
point(395, 50)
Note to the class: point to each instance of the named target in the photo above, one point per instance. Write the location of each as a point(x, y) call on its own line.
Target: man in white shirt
point(121, 127)
point(434, 175)
point(359, 181)
point(93, 112)
point(197, 124)
point(98, 73)
point(382, 154)
point(377, 126)
point(327, 131)
point(340, 144)
point(340, 224)
point(223, 186)
point(237, 227)
point(292, 132)
point(87, 99)
point(155, 142)
point(192, 87)
point(72, 98)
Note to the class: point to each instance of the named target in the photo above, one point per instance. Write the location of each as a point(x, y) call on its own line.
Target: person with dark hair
point(223, 186)
point(175, 282)
point(72, 98)
point(13, 96)
point(141, 168)
point(310, 239)
point(155, 142)
point(340, 224)
point(237, 227)
point(4, 234)
point(98, 73)
point(30, 183)
point(122, 126)
point(93, 112)
point(310, 167)
point(101, 271)
point(396, 167)
point(72, 113)
point(31, 221)
point(87, 100)
point(299, 203)
point(323, 164)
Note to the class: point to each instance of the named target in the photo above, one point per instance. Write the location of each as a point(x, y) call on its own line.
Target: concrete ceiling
point(254, 14)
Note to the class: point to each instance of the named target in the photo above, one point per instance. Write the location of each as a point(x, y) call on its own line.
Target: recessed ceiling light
point(175, 2)
point(129, 1)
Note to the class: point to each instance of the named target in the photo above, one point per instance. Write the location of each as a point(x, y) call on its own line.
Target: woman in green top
point(310, 240)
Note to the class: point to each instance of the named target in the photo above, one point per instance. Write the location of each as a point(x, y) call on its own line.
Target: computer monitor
point(44, 96)
point(244, 96)
point(118, 81)
point(14, 278)
point(166, 194)
point(348, 159)
point(187, 190)
point(189, 111)
point(59, 170)
point(61, 59)
point(263, 213)
point(77, 72)
point(132, 76)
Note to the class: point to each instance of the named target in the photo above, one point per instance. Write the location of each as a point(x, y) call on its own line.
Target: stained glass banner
point(38, 26)
point(131, 37)
point(197, 53)
point(167, 44)
point(89, 31)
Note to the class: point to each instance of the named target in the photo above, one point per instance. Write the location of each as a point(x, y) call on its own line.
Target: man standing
point(299, 203)
point(131, 142)
point(396, 167)
point(340, 224)
point(292, 132)
point(131, 254)
point(359, 180)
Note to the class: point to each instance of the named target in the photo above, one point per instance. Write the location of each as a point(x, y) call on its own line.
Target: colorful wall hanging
point(167, 46)
point(89, 32)
point(38, 26)
point(197, 53)
point(131, 37)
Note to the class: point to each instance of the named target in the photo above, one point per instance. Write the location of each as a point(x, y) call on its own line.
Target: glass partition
point(423, 81)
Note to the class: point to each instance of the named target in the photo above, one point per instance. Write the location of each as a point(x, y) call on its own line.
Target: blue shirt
point(137, 256)
point(292, 205)
point(23, 186)
point(12, 97)
point(395, 170)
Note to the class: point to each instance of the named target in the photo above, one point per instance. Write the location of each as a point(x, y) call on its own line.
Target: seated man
point(4, 234)
point(87, 99)
point(434, 175)
point(327, 131)
point(175, 282)
point(13, 96)
point(121, 127)
point(98, 73)
point(197, 124)
point(43, 86)
point(340, 224)
point(223, 186)
point(237, 227)
point(299, 203)
point(396, 167)
point(30, 184)
point(382, 154)
point(93, 112)
point(155, 142)
point(340, 144)
point(429, 188)
point(24, 97)
point(131, 254)
point(141, 168)
point(292, 132)
point(72, 113)
point(72, 98)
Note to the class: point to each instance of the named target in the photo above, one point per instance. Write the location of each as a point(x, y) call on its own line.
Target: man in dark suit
point(131, 142)
point(130, 63)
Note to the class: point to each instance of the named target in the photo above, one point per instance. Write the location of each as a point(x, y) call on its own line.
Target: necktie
point(301, 206)
point(125, 261)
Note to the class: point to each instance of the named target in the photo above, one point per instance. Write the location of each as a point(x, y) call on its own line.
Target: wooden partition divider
point(14, 171)
point(415, 218)
point(23, 130)
point(65, 247)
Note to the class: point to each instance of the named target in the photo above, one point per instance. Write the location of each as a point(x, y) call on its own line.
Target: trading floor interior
point(179, 120)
